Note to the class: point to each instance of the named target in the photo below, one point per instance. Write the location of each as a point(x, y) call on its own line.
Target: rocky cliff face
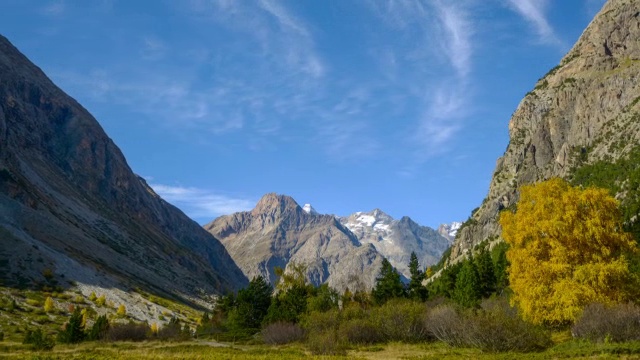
point(278, 232)
point(70, 203)
point(396, 239)
point(586, 109)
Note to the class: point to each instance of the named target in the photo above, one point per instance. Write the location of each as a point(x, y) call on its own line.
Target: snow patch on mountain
point(309, 209)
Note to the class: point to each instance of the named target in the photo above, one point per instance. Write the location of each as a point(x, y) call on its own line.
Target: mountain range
point(341, 251)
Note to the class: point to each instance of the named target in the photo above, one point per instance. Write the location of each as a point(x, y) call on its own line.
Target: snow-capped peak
point(309, 209)
point(453, 228)
point(450, 230)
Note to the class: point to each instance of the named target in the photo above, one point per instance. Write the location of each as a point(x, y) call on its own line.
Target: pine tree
point(251, 305)
point(467, 289)
point(501, 267)
point(388, 284)
point(73, 331)
point(486, 274)
point(99, 329)
point(416, 289)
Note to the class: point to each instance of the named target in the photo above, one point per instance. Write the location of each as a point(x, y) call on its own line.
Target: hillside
point(73, 213)
point(580, 116)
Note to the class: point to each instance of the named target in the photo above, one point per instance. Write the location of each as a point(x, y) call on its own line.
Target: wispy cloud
point(202, 203)
point(440, 30)
point(55, 8)
point(534, 12)
point(458, 31)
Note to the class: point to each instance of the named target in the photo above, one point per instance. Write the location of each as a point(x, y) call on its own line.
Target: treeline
point(329, 322)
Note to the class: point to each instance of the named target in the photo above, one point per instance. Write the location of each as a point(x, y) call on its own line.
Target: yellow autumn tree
point(568, 249)
point(122, 310)
point(49, 305)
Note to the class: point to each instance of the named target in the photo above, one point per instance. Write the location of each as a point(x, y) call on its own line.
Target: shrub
point(127, 332)
point(282, 333)
point(599, 323)
point(360, 331)
point(93, 296)
point(326, 343)
point(173, 331)
point(499, 328)
point(496, 327)
point(318, 322)
point(445, 324)
point(101, 301)
point(122, 310)
point(99, 329)
point(38, 340)
point(401, 320)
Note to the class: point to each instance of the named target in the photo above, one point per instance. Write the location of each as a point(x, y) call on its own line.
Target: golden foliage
point(568, 249)
point(49, 305)
point(122, 310)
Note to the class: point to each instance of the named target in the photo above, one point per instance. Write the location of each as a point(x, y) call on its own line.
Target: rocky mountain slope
point(583, 111)
point(278, 232)
point(71, 206)
point(396, 239)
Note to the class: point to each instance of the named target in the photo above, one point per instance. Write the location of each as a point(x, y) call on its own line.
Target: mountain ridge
point(68, 194)
point(584, 110)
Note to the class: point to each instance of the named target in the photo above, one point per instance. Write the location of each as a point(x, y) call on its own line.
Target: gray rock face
point(278, 232)
point(67, 194)
point(587, 106)
point(396, 239)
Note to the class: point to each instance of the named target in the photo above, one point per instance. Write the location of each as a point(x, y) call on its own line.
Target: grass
point(197, 350)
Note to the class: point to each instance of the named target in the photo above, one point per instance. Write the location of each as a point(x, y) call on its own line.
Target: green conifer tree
point(416, 289)
point(486, 273)
point(467, 290)
point(73, 331)
point(388, 284)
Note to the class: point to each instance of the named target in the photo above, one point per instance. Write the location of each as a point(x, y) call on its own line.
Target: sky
point(349, 105)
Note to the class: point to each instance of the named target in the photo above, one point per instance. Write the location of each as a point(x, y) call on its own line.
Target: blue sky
point(349, 105)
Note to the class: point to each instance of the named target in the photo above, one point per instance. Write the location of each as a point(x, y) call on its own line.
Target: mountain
point(581, 117)
point(396, 239)
point(309, 209)
point(450, 230)
point(278, 232)
point(71, 207)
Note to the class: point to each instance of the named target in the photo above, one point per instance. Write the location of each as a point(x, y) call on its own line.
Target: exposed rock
point(396, 239)
point(278, 232)
point(585, 109)
point(68, 195)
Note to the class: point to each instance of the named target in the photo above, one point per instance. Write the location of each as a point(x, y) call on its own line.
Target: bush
point(617, 324)
point(127, 332)
point(326, 343)
point(445, 324)
point(496, 327)
point(99, 329)
point(38, 340)
point(318, 322)
point(279, 333)
point(400, 320)
point(360, 331)
point(499, 328)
